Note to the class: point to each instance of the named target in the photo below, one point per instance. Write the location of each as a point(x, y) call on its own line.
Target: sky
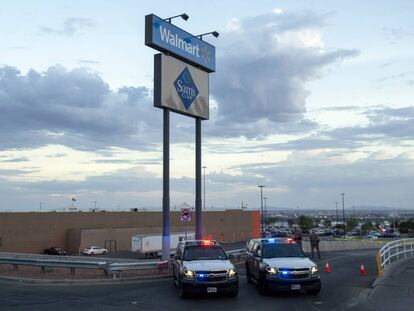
point(310, 98)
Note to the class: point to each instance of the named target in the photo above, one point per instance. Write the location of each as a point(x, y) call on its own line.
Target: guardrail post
point(379, 265)
point(16, 267)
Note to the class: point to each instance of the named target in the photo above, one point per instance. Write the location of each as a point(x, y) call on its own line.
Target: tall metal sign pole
point(166, 186)
point(198, 221)
point(181, 85)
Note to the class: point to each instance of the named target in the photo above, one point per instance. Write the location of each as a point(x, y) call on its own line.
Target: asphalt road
point(343, 289)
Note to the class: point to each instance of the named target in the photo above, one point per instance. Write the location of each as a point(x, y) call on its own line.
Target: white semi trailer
point(151, 245)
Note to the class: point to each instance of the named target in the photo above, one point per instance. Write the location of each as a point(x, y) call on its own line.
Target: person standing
point(297, 236)
point(314, 242)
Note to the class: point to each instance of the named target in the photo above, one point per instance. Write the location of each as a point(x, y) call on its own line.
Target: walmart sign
point(170, 39)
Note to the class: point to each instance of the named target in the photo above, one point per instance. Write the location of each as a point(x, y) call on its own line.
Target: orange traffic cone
point(362, 271)
point(327, 268)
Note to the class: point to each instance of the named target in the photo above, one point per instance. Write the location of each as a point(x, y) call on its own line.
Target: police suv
point(280, 264)
point(202, 266)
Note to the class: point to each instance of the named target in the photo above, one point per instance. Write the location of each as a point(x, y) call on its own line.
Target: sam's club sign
point(180, 87)
point(170, 39)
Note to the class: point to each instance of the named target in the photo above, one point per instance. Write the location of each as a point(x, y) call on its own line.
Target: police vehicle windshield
point(201, 252)
point(277, 250)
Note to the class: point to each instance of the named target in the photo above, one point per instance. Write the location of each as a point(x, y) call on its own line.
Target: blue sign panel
point(170, 39)
point(186, 88)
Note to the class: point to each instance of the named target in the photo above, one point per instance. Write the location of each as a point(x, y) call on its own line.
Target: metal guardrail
point(115, 268)
point(394, 251)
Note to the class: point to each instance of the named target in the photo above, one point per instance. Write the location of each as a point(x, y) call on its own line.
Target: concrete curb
point(126, 280)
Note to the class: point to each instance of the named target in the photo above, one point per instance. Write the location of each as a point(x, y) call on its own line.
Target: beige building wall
point(33, 232)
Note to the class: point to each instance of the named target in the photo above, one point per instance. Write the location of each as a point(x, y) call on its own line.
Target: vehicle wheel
point(248, 276)
point(105, 252)
point(234, 293)
point(262, 287)
point(314, 291)
point(92, 254)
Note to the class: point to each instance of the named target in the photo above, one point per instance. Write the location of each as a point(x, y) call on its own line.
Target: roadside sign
point(170, 39)
point(185, 214)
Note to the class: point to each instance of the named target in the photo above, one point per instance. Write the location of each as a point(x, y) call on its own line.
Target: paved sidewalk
point(396, 290)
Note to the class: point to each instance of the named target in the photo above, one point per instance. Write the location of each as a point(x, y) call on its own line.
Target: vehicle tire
point(234, 293)
point(248, 276)
point(262, 287)
point(105, 252)
point(91, 253)
point(314, 291)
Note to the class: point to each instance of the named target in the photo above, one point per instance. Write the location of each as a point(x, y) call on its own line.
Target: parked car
point(390, 233)
point(95, 250)
point(375, 233)
point(370, 236)
point(54, 251)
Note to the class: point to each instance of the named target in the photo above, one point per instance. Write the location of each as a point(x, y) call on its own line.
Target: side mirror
point(259, 253)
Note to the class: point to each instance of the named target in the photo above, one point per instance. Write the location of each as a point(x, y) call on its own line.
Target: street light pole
point(343, 211)
point(265, 213)
point(261, 211)
point(204, 187)
point(337, 216)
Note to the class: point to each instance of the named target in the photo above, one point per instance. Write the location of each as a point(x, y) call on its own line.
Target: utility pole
point(265, 212)
point(343, 211)
point(261, 211)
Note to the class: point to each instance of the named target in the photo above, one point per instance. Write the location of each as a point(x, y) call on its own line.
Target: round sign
point(185, 214)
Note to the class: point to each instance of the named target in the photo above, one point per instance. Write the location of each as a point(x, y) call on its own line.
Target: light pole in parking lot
point(337, 216)
point(261, 211)
point(265, 213)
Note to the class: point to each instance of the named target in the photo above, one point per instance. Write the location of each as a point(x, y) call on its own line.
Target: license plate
point(295, 286)
point(211, 289)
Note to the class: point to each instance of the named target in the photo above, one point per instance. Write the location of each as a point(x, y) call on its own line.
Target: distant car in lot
point(375, 233)
point(54, 251)
point(95, 250)
point(370, 236)
point(390, 233)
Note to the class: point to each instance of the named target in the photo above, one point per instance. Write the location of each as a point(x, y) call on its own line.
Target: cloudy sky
point(310, 98)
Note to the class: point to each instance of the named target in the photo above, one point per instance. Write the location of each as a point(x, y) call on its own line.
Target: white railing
point(394, 251)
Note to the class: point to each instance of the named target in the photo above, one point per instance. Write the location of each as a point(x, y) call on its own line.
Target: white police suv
point(280, 264)
point(202, 266)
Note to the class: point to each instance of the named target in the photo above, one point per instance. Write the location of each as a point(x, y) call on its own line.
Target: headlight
point(314, 270)
point(188, 274)
point(271, 270)
point(232, 273)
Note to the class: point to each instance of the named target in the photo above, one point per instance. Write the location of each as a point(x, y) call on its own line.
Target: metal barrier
point(392, 252)
point(115, 268)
